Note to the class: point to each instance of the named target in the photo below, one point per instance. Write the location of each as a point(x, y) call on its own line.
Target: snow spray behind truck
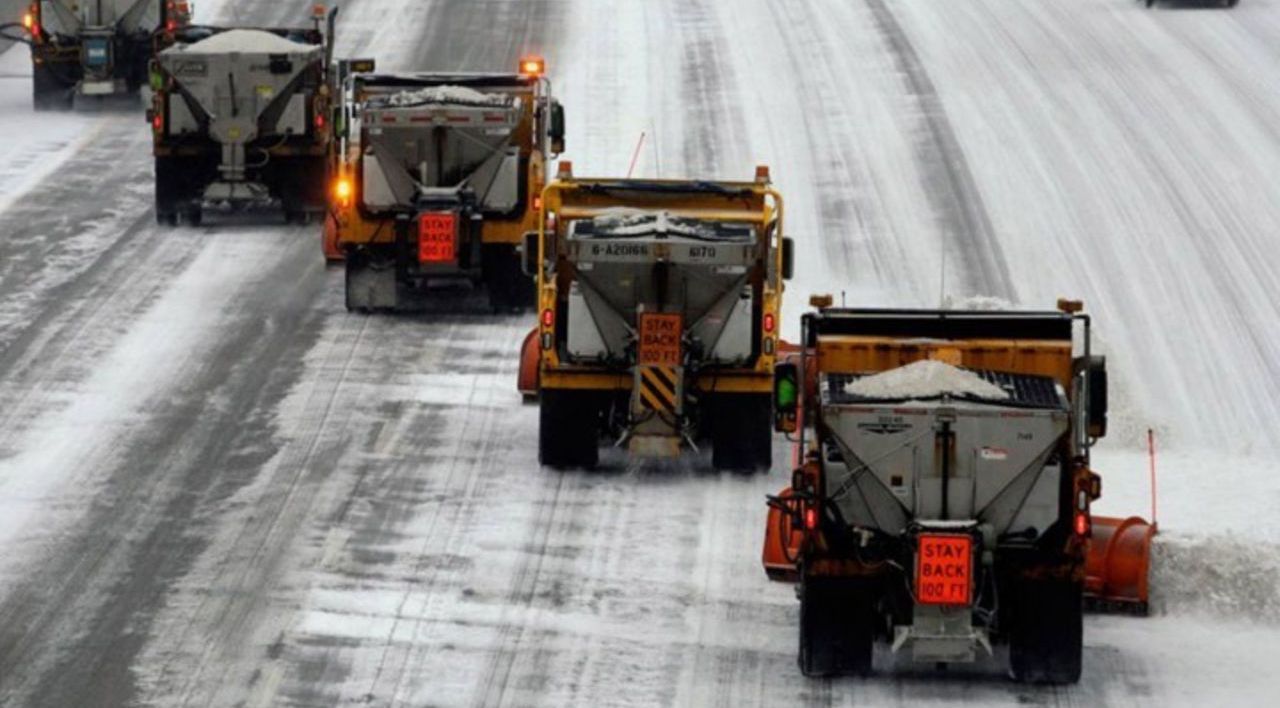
point(941, 501)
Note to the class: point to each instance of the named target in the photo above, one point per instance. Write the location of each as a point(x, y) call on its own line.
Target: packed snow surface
point(925, 379)
point(247, 41)
point(451, 94)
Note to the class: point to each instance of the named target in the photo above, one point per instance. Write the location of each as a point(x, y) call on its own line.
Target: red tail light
point(811, 518)
point(1082, 525)
point(157, 122)
point(319, 121)
point(547, 317)
point(769, 322)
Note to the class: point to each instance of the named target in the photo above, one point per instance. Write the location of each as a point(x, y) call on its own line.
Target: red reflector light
point(1082, 525)
point(319, 121)
point(769, 322)
point(157, 122)
point(547, 317)
point(811, 518)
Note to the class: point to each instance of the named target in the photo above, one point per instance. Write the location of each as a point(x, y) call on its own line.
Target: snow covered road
point(219, 488)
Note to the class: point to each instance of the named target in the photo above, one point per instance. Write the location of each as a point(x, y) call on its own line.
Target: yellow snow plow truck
point(941, 496)
point(435, 179)
point(658, 306)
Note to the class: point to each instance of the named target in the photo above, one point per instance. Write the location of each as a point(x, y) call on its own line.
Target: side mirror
point(555, 128)
point(788, 258)
point(1094, 372)
point(529, 254)
point(786, 397)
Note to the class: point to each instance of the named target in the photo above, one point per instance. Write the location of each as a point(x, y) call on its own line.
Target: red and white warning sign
point(944, 569)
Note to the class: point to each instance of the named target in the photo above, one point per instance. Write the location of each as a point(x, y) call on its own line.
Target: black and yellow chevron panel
point(658, 388)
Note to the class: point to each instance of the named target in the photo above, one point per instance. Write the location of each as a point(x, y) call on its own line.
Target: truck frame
point(940, 524)
point(659, 306)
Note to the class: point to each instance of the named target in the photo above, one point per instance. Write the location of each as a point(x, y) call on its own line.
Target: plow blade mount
point(1116, 572)
point(781, 542)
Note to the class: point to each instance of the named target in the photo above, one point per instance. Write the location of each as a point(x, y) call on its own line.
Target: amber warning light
point(342, 190)
point(533, 66)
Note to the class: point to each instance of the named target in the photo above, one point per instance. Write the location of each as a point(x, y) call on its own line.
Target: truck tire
point(48, 92)
point(169, 191)
point(741, 431)
point(510, 290)
point(837, 626)
point(568, 429)
point(1047, 631)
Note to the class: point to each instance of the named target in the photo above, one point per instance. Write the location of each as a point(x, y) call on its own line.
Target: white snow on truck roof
point(925, 379)
point(247, 41)
point(451, 94)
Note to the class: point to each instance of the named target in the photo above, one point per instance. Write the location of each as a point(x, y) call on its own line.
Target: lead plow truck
point(96, 49)
point(941, 499)
point(435, 180)
point(658, 318)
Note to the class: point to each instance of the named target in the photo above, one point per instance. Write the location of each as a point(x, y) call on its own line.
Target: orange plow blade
point(781, 544)
point(1116, 571)
point(527, 382)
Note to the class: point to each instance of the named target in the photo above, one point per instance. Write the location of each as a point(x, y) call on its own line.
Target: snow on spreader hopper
point(942, 498)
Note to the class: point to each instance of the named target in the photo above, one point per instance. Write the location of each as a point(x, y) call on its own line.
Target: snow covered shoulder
point(925, 379)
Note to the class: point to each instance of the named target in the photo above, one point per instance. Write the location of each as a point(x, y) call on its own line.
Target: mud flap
point(371, 285)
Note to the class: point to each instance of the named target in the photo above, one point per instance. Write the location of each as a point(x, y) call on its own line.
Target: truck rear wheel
point(837, 626)
point(48, 93)
point(741, 431)
point(568, 429)
point(1047, 631)
point(510, 290)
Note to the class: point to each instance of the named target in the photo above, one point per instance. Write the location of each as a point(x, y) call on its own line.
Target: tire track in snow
point(952, 190)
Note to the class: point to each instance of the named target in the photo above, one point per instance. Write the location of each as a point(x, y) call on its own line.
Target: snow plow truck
point(941, 497)
point(435, 178)
point(96, 49)
point(240, 119)
point(658, 314)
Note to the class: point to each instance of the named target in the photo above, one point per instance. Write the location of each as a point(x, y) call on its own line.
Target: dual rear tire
point(741, 431)
point(1046, 631)
point(837, 626)
point(569, 429)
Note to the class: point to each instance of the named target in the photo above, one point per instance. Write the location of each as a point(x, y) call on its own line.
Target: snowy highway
point(219, 488)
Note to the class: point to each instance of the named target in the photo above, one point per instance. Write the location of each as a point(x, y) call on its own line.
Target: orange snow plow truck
point(941, 499)
point(658, 318)
point(435, 180)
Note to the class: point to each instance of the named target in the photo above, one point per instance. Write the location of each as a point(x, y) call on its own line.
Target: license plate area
point(944, 569)
point(437, 237)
